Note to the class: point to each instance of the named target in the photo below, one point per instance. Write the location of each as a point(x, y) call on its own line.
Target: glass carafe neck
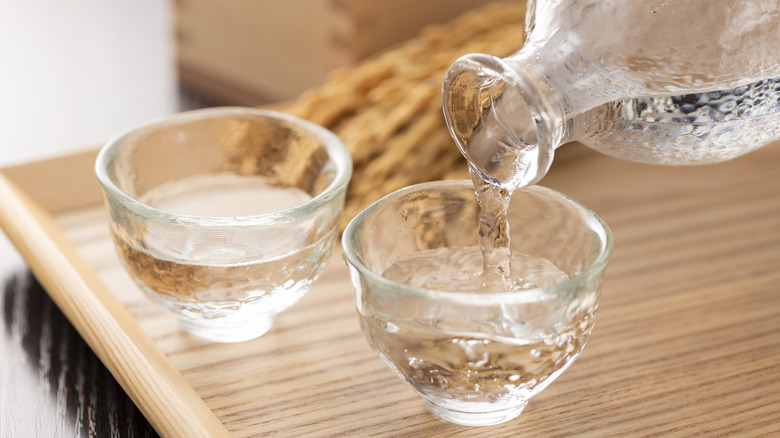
point(506, 117)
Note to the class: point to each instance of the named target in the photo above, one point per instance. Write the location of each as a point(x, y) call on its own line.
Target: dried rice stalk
point(387, 109)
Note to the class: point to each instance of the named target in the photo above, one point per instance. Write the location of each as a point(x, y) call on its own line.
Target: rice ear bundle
point(387, 109)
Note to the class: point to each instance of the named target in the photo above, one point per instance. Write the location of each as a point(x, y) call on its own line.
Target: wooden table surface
point(686, 343)
point(687, 339)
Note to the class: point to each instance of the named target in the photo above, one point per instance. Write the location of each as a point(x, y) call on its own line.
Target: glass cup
point(476, 355)
point(225, 216)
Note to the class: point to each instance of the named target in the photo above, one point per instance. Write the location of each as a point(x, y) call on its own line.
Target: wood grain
point(51, 383)
point(166, 400)
point(687, 338)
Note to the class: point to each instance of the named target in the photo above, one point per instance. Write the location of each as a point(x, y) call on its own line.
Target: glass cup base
point(220, 331)
point(472, 415)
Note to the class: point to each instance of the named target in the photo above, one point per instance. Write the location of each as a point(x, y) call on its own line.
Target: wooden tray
point(687, 339)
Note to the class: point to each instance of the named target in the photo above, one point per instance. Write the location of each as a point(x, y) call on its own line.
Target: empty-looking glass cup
point(225, 216)
point(475, 354)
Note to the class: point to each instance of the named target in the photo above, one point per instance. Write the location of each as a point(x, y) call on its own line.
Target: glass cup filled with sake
point(225, 216)
point(476, 344)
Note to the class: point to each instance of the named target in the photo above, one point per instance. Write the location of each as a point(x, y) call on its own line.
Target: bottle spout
point(500, 120)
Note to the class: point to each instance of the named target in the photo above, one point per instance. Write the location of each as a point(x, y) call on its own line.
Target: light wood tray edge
point(28, 195)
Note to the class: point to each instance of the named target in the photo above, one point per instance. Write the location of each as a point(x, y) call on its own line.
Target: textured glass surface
point(654, 81)
point(225, 216)
point(474, 351)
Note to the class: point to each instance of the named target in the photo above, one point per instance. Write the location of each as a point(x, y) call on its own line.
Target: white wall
point(73, 73)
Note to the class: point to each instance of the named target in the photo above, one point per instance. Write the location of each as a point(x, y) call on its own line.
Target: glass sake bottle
point(655, 81)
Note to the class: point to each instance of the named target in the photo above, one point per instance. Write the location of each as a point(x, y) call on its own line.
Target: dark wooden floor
point(51, 383)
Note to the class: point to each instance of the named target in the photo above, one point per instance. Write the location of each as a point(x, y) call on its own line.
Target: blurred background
point(75, 73)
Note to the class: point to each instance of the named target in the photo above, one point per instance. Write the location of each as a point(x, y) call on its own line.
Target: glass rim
point(337, 152)
point(483, 298)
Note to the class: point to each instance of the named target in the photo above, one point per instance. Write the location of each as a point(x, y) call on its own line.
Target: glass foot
point(474, 414)
point(229, 331)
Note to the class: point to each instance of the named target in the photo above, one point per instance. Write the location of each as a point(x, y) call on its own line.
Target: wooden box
point(254, 52)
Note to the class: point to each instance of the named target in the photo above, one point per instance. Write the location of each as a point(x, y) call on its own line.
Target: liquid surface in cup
point(507, 367)
point(223, 195)
point(460, 269)
point(199, 283)
point(228, 292)
point(218, 286)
